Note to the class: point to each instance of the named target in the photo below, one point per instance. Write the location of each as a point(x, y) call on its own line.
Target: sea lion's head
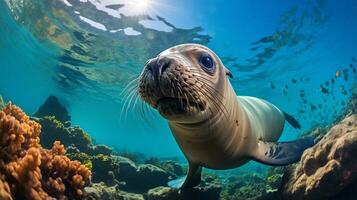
point(185, 83)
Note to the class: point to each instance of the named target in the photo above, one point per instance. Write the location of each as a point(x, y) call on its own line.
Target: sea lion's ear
point(228, 73)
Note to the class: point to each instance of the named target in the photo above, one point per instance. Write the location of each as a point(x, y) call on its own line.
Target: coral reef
point(246, 186)
point(27, 170)
point(5, 192)
point(207, 190)
point(104, 192)
point(52, 107)
point(274, 179)
point(72, 137)
point(328, 167)
point(140, 178)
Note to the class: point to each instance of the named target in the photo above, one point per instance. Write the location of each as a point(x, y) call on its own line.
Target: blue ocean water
point(86, 51)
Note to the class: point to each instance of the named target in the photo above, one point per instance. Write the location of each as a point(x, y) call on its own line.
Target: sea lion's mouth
point(179, 104)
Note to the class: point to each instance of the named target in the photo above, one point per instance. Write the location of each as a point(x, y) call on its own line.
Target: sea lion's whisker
point(179, 92)
point(215, 93)
point(130, 96)
point(194, 99)
point(203, 79)
point(126, 100)
point(211, 96)
point(132, 82)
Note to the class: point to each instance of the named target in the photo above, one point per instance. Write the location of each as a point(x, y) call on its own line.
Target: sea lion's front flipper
point(192, 179)
point(281, 153)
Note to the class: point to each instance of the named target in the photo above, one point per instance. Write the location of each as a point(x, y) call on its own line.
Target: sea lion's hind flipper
point(281, 153)
point(292, 121)
point(192, 179)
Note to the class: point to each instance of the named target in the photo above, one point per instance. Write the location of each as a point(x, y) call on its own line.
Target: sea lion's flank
point(214, 128)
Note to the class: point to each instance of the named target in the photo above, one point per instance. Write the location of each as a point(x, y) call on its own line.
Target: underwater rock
point(52, 107)
point(53, 129)
point(150, 176)
point(104, 192)
point(206, 191)
point(30, 171)
point(101, 149)
point(104, 169)
point(172, 167)
point(140, 178)
point(328, 167)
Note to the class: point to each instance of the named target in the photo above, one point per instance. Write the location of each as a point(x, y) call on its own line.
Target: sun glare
point(140, 6)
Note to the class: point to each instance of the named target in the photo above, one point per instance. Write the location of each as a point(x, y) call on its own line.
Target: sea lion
point(214, 128)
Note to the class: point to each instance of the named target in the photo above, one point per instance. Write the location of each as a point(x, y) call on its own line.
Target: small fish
point(285, 92)
point(272, 85)
point(286, 87)
point(345, 76)
point(302, 95)
point(327, 83)
point(353, 59)
point(323, 90)
point(293, 81)
point(312, 107)
point(351, 65)
point(254, 48)
point(319, 105)
point(332, 81)
point(338, 73)
point(307, 79)
point(354, 70)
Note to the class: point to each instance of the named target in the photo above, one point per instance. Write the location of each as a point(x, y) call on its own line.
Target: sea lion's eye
point(207, 62)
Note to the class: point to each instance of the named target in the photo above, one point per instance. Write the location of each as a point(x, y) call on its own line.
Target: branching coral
point(30, 172)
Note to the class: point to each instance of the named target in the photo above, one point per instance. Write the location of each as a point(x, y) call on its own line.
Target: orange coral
point(31, 172)
point(4, 190)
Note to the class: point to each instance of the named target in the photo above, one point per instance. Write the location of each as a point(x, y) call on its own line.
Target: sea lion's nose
point(157, 66)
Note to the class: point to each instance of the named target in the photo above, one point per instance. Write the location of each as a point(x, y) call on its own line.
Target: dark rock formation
point(53, 129)
point(205, 191)
point(103, 192)
point(140, 178)
point(53, 107)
